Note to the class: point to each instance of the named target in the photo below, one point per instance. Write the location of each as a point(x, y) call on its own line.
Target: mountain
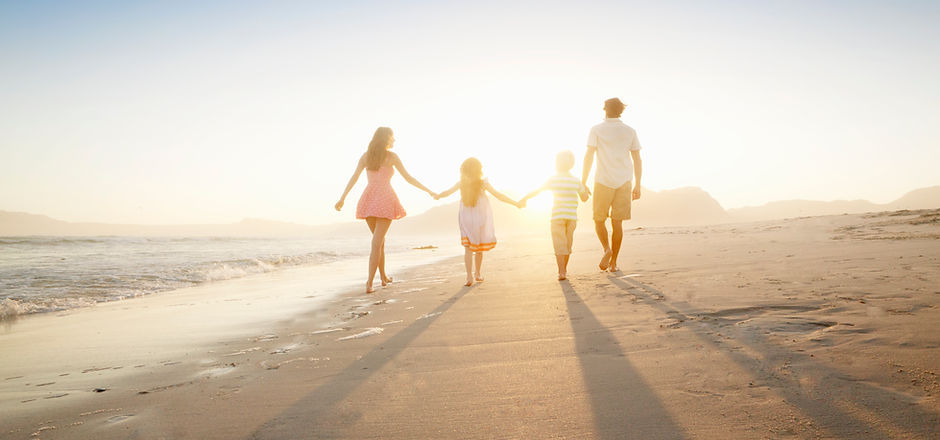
point(800, 208)
point(19, 223)
point(675, 207)
point(924, 198)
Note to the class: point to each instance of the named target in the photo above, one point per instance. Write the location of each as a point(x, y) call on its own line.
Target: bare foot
point(613, 268)
point(605, 260)
point(478, 277)
point(386, 281)
point(469, 283)
point(562, 277)
point(369, 289)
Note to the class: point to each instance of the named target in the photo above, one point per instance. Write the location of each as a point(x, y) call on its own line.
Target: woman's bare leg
point(385, 279)
point(379, 228)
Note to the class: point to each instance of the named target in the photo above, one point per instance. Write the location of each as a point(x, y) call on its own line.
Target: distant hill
point(675, 207)
point(18, 223)
point(924, 198)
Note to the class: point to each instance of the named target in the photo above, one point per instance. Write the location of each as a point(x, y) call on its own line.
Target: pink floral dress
point(378, 199)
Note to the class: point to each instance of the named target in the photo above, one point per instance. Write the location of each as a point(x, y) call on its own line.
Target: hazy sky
point(178, 112)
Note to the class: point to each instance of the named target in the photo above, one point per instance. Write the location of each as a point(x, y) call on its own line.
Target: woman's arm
point(396, 161)
point(352, 181)
point(448, 192)
point(502, 197)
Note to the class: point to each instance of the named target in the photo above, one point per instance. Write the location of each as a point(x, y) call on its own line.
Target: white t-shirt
point(614, 141)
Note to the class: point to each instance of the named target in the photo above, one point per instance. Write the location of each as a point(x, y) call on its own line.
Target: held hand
point(521, 203)
point(584, 196)
point(339, 205)
point(636, 193)
point(436, 196)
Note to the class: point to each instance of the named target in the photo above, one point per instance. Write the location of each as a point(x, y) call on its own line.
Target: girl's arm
point(352, 181)
point(401, 169)
point(502, 197)
point(448, 192)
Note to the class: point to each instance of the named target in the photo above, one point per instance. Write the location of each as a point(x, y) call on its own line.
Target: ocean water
point(47, 274)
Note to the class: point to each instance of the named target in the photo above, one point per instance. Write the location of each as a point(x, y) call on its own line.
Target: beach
point(815, 327)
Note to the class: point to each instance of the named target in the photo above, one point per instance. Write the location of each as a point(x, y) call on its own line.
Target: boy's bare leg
point(616, 238)
point(601, 229)
point(479, 260)
point(562, 261)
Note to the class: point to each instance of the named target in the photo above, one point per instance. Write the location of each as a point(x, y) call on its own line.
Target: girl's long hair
point(471, 181)
point(378, 148)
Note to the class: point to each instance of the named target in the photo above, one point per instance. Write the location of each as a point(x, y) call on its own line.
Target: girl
point(378, 204)
point(475, 216)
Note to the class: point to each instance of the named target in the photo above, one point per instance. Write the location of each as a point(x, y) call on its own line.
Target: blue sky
point(170, 112)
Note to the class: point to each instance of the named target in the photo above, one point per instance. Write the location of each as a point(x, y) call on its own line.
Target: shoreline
point(811, 327)
point(65, 355)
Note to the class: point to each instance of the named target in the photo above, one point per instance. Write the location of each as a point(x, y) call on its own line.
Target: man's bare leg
point(616, 238)
point(601, 229)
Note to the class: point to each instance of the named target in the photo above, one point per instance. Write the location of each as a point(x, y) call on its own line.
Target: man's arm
point(588, 163)
point(637, 172)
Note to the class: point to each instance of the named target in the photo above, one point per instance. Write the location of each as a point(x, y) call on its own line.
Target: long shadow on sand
point(835, 410)
point(314, 416)
point(623, 403)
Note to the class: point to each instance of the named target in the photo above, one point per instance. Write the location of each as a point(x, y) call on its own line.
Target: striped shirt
point(565, 189)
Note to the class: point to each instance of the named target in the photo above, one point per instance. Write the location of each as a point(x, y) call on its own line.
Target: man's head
point(613, 107)
point(564, 161)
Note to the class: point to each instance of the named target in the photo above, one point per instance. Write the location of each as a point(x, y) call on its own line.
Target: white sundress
point(476, 225)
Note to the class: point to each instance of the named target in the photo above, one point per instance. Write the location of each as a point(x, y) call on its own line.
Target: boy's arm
point(535, 193)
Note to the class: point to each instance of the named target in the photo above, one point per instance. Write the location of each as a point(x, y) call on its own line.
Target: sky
point(211, 112)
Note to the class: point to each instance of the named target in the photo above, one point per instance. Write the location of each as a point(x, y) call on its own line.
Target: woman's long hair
point(471, 181)
point(378, 148)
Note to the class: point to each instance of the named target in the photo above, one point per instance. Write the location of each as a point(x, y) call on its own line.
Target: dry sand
point(823, 327)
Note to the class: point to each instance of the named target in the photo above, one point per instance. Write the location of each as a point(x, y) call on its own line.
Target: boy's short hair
point(564, 161)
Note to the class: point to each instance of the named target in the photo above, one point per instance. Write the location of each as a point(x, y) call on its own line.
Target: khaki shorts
point(563, 235)
point(612, 202)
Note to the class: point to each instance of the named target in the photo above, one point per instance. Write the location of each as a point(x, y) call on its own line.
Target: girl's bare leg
point(562, 261)
point(378, 242)
point(479, 261)
point(468, 263)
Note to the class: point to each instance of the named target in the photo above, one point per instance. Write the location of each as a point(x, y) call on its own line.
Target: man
point(618, 161)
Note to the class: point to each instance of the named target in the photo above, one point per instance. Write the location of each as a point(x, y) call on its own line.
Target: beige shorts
point(612, 202)
point(563, 235)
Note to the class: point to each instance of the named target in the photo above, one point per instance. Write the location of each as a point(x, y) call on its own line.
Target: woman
point(378, 204)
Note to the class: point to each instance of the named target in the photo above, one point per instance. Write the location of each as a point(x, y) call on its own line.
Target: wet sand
point(822, 327)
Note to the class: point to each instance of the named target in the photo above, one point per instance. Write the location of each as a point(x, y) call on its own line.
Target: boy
point(566, 189)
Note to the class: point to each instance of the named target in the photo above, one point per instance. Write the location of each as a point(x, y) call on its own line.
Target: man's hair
point(614, 107)
point(564, 161)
